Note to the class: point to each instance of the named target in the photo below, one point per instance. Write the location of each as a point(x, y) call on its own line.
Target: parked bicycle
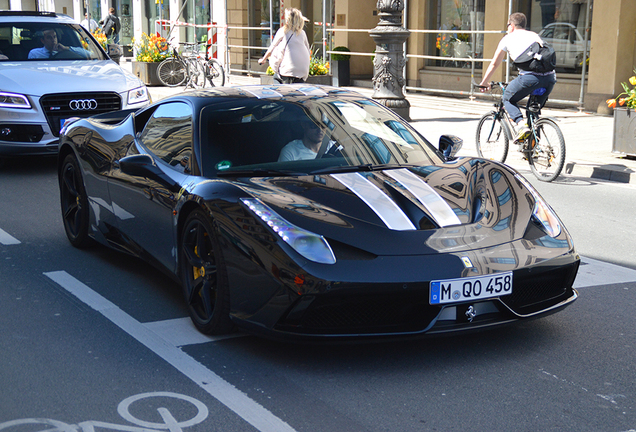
point(544, 148)
point(191, 68)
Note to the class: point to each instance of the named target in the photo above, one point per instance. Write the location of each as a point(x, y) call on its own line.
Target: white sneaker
point(523, 132)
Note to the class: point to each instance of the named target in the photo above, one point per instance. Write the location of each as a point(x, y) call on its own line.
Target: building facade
point(450, 41)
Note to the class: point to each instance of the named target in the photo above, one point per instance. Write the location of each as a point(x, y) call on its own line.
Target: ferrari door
point(144, 186)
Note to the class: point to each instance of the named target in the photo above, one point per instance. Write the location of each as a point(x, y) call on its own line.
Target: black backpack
point(537, 58)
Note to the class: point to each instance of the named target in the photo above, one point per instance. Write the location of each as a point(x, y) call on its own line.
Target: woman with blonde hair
point(289, 52)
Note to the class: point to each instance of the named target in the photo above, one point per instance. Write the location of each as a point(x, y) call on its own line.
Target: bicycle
point(190, 68)
point(544, 148)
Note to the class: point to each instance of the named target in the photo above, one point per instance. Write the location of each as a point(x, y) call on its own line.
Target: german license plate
point(471, 288)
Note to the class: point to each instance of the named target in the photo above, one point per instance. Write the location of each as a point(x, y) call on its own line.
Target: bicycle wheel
point(171, 72)
point(548, 150)
point(214, 73)
point(195, 75)
point(492, 139)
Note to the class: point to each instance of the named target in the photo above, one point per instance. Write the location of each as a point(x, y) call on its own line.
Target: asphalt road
point(95, 340)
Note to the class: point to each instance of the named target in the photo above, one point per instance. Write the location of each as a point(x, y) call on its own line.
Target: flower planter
point(624, 140)
point(341, 75)
point(312, 79)
point(319, 79)
point(146, 72)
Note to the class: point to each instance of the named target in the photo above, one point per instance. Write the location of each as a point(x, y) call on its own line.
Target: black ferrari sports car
point(313, 212)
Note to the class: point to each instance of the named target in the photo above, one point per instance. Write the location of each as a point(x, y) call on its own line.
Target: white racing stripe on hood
point(434, 203)
point(378, 201)
point(263, 92)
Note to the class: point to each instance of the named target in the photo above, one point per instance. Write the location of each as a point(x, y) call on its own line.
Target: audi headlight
point(138, 95)
point(14, 100)
point(542, 212)
point(312, 246)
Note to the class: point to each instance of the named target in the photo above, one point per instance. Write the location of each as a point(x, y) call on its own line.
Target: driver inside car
point(52, 47)
point(308, 147)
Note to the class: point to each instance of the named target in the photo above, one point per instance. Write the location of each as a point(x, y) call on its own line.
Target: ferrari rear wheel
point(74, 203)
point(204, 277)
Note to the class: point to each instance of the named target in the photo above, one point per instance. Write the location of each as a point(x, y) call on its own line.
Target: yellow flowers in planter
point(151, 48)
point(629, 98)
point(318, 67)
point(101, 39)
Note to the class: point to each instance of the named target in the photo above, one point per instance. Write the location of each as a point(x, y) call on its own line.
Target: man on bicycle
point(516, 42)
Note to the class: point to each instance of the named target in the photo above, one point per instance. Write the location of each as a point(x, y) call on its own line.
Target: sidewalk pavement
point(588, 136)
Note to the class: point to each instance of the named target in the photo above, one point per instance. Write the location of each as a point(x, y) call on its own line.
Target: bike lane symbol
point(170, 423)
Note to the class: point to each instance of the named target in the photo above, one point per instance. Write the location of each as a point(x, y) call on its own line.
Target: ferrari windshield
point(46, 41)
point(309, 135)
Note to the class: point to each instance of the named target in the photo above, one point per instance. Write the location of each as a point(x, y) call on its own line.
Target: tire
point(214, 73)
point(74, 203)
point(548, 150)
point(492, 138)
point(204, 276)
point(171, 72)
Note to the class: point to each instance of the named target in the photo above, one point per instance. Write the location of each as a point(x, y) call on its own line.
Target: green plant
point(151, 48)
point(630, 95)
point(317, 66)
point(340, 57)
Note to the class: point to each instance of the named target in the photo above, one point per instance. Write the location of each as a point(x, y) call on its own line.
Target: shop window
point(457, 18)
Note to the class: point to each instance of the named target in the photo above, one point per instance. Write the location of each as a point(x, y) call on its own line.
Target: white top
point(93, 25)
point(296, 150)
point(290, 58)
point(516, 42)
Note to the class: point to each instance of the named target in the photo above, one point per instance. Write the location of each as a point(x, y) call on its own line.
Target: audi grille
point(61, 106)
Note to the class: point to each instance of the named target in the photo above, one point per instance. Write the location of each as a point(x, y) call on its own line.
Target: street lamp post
point(388, 65)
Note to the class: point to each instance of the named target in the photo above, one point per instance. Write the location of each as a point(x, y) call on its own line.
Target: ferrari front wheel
point(203, 275)
point(74, 203)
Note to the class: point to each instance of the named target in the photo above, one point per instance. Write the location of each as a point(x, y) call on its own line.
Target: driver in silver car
point(52, 47)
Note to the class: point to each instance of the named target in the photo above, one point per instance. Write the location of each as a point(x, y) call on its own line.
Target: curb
point(615, 173)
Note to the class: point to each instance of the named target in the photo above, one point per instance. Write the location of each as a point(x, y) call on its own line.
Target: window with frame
point(168, 135)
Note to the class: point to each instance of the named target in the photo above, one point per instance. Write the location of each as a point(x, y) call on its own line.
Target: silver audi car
point(52, 69)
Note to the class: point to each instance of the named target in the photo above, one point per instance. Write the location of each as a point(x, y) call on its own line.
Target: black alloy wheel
point(74, 203)
point(203, 276)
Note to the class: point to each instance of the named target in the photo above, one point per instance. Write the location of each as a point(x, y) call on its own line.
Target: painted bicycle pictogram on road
point(169, 422)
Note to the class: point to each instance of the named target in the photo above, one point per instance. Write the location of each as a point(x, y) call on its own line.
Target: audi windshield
point(47, 41)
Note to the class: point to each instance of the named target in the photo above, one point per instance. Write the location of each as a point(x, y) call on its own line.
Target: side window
point(168, 135)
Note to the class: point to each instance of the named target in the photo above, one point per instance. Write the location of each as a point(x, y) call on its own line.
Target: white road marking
point(593, 272)
point(6, 239)
point(248, 409)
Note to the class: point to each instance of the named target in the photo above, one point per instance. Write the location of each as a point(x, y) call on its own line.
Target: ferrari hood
point(35, 78)
point(466, 204)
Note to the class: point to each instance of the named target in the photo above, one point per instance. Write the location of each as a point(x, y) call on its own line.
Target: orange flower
point(611, 103)
point(621, 101)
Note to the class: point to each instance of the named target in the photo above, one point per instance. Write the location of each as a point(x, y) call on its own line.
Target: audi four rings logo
point(83, 104)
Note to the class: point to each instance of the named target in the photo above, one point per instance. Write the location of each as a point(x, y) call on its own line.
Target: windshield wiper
point(257, 172)
point(357, 168)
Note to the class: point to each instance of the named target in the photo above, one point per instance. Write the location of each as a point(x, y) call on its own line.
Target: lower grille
point(364, 314)
point(62, 106)
point(532, 290)
point(21, 132)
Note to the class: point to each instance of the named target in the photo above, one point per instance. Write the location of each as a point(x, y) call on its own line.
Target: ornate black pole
point(388, 65)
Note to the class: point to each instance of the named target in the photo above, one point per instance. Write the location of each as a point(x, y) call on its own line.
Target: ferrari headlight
point(14, 100)
point(542, 212)
point(312, 246)
point(138, 95)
